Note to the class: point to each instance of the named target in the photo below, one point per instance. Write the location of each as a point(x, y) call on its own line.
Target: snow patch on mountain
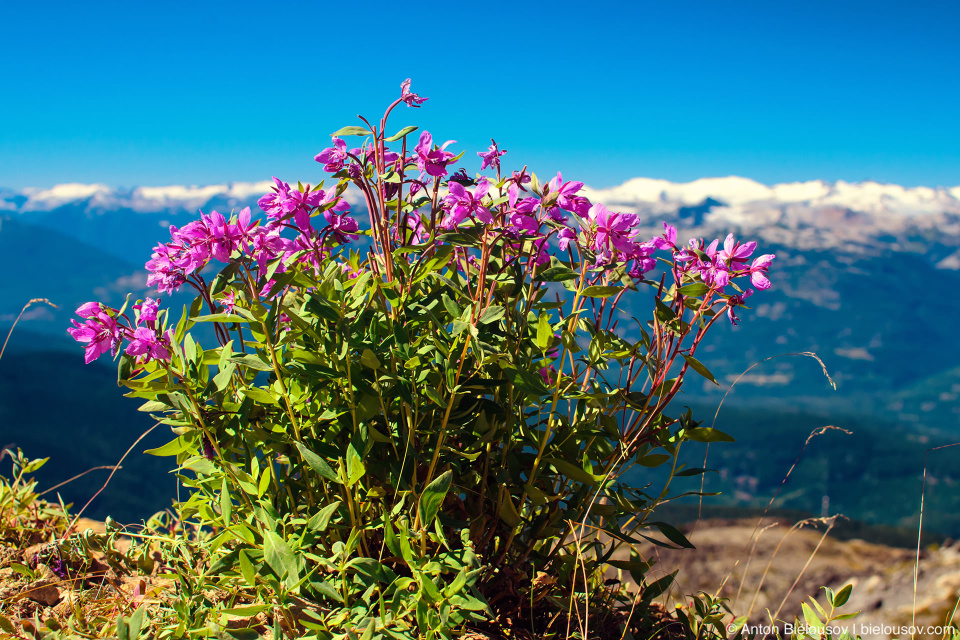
point(743, 193)
point(807, 215)
point(99, 198)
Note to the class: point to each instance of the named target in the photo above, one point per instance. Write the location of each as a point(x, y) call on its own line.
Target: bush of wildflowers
point(422, 425)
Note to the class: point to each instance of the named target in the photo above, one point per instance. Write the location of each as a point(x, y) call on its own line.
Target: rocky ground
point(771, 566)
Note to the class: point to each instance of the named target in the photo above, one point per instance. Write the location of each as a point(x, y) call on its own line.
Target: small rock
point(86, 523)
point(43, 591)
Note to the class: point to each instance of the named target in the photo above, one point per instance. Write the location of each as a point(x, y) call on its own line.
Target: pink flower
point(148, 310)
point(340, 227)
point(432, 161)
point(736, 301)
point(229, 301)
point(669, 238)
point(491, 158)
point(89, 309)
point(145, 342)
point(567, 198)
point(758, 271)
point(566, 236)
point(266, 244)
point(100, 332)
point(734, 253)
point(272, 203)
point(412, 99)
point(612, 230)
point(334, 157)
point(461, 203)
point(166, 267)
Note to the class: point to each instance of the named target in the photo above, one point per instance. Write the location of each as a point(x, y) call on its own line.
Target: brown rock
point(44, 592)
point(86, 523)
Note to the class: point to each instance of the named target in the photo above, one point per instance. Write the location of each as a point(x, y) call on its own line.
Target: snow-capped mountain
point(99, 198)
point(805, 215)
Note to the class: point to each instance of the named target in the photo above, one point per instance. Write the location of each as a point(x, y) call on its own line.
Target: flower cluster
point(535, 222)
point(192, 247)
point(103, 332)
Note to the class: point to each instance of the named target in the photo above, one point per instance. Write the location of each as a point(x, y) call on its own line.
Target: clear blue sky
point(170, 93)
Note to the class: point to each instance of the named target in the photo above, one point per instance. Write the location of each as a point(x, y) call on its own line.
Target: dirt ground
point(771, 566)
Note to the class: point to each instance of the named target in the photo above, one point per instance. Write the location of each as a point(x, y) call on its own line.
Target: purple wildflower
point(148, 310)
point(461, 203)
point(736, 301)
point(272, 203)
point(612, 230)
point(100, 332)
point(669, 238)
point(491, 158)
point(432, 161)
point(567, 198)
point(758, 271)
point(208, 451)
point(566, 236)
point(341, 228)
point(145, 342)
point(734, 253)
point(412, 99)
point(334, 157)
point(89, 309)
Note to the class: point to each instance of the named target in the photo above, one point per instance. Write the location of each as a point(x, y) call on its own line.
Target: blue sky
point(183, 93)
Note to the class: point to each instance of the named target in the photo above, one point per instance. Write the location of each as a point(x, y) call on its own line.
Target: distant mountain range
point(866, 276)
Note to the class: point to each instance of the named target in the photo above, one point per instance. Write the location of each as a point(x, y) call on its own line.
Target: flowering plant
point(424, 425)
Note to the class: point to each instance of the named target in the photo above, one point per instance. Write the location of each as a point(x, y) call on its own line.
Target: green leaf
point(672, 534)
point(492, 314)
point(355, 467)
point(253, 361)
point(369, 359)
point(556, 272)
point(653, 460)
point(390, 539)
point(544, 331)
point(697, 366)
point(226, 503)
point(842, 596)
point(432, 497)
point(317, 463)
point(172, 448)
point(599, 291)
point(452, 307)
point(264, 482)
point(245, 611)
point(153, 405)
point(813, 622)
point(259, 395)
point(135, 623)
point(321, 519)
point(573, 471)
point(351, 131)
point(278, 555)
point(694, 289)
point(400, 134)
point(708, 434)
point(654, 590)
point(222, 379)
point(457, 585)
point(246, 569)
